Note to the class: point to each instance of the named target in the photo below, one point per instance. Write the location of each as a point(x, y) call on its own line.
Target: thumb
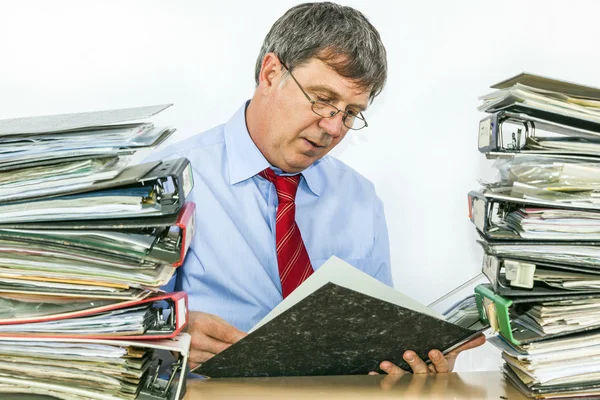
point(471, 344)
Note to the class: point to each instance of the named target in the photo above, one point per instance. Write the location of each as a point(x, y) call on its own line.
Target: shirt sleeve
point(380, 257)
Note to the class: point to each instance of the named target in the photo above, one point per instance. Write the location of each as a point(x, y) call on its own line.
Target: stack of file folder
point(88, 236)
point(539, 226)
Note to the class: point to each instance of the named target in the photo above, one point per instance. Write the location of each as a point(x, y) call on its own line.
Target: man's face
point(295, 136)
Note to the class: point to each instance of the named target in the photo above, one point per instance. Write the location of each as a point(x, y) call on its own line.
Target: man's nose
point(333, 125)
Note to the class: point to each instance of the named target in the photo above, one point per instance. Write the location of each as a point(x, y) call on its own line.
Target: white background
point(420, 149)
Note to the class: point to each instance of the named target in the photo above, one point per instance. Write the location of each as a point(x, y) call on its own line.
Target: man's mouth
point(315, 144)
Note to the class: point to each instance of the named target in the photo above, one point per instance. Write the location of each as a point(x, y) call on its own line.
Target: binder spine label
point(490, 269)
point(519, 274)
point(479, 212)
point(187, 180)
point(181, 312)
point(189, 235)
point(485, 133)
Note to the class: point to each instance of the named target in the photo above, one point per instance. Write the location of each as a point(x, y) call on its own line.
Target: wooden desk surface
point(464, 385)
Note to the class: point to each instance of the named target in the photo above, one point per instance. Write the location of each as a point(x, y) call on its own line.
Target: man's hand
point(439, 363)
point(210, 335)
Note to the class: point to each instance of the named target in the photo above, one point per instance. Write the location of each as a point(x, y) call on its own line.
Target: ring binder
point(155, 387)
point(509, 322)
point(172, 306)
point(171, 235)
point(165, 183)
point(488, 212)
point(512, 132)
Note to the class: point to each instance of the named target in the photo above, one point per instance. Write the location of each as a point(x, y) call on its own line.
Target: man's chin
point(300, 163)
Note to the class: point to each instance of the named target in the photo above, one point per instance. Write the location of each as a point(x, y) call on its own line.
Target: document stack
point(87, 238)
point(539, 226)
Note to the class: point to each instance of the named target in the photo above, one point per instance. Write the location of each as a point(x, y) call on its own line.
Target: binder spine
point(493, 310)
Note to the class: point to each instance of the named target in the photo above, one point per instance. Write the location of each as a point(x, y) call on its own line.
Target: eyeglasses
point(354, 120)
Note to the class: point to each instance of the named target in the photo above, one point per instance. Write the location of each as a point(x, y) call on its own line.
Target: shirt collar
point(245, 159)
point(314, 178)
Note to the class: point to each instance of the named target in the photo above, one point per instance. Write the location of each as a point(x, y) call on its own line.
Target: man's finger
point(416, 364)
point(439, 361)
point(451, 356)
point(391, 368)
point(221, 330)
point(475, 342)
point(199, 356)
point(208, 344)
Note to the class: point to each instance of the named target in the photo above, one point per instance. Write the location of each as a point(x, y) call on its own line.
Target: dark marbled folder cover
point(334, 331)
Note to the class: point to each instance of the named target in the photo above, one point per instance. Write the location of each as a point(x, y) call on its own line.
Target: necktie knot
point(286, 186)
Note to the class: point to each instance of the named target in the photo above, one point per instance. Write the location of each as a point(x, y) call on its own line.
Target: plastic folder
point(153, 385)
point(166, 316)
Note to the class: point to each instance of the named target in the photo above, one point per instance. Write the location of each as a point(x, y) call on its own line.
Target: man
point(271, 205)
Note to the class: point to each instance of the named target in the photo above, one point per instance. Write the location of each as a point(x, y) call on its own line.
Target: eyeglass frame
point(313, 102)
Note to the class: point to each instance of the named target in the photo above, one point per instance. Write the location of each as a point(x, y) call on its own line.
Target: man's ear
point(270, 73)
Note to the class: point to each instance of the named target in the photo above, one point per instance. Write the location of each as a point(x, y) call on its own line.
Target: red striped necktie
point(292, 258)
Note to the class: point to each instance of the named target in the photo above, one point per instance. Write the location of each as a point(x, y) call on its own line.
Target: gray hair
point(340, 36)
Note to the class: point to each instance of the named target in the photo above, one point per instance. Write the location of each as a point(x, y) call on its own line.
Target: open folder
point(340, 321)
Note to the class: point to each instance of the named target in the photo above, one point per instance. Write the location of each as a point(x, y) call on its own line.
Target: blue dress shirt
point(231, 267)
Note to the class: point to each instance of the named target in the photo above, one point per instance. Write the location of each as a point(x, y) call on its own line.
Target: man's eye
point(353, 113)
point(324, 100)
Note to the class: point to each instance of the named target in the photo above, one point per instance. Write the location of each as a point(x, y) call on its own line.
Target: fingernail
point(385, 366)
point(435, 356)
point(410, 357)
